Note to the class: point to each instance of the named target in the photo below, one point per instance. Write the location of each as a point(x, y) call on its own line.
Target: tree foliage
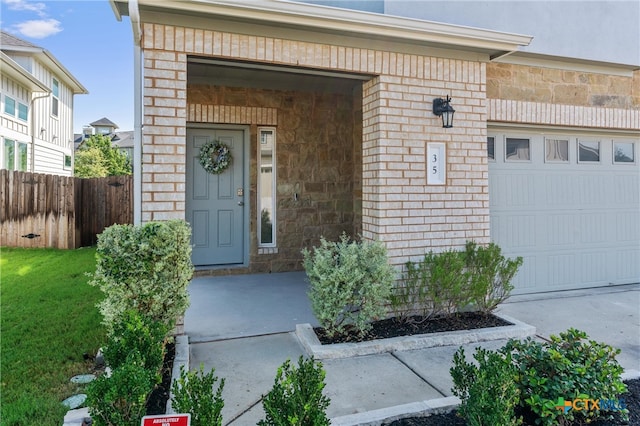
point(97, 158)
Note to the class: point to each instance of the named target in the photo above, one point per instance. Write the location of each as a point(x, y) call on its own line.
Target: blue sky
point(87, 39)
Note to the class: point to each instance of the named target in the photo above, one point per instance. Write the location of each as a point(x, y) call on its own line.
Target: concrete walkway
point(243, 327)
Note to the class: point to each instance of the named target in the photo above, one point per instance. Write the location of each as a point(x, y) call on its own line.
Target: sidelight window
point(266, 187)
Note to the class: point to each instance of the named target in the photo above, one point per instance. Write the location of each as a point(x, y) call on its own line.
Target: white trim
point(138, 109)
point(335, 20)
point(11, 69)
point(567, 64)
point(273, 189)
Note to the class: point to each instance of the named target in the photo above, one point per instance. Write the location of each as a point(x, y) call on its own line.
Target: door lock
point(240, 192)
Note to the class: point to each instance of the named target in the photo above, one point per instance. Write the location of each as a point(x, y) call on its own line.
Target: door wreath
point(215, 157)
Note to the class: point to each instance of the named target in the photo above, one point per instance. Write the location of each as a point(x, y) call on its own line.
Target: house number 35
point(436, 163)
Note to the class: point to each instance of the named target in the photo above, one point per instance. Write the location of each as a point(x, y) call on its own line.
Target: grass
point(48, 320)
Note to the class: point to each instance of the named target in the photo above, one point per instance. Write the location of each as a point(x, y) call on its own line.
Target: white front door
point(215, 203)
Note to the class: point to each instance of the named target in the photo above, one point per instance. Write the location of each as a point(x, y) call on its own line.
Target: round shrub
point(351, 282)
point(145, 268)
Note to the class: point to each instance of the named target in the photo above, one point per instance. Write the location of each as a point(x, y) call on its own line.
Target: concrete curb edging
point(313, 347)
point(419, 409)
point(181, 359)
point(630, 375)
point(389, 414)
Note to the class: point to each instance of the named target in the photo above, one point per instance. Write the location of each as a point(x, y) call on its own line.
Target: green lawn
point(48, 320)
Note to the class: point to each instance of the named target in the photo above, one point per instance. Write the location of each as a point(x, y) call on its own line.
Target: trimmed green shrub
point(120, 399)
point(351, 282)
point(296, 398)
point(566, 368)
point(487, 392)
point(134, 333)
point(490, 274)
point(145, 268)
point(193, 392)
point(445, 283)
point(437, 285)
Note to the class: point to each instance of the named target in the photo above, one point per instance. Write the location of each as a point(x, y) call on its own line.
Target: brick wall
point(397, 205)
point(163, 150)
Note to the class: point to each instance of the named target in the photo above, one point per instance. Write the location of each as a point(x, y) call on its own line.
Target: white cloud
point(38, 8)
point(39, 28)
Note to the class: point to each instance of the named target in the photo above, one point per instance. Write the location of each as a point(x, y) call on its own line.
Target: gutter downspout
point(134, 15)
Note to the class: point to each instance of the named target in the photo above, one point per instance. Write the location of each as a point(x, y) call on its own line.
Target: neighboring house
point(328, 114)
point(36, 109)
point(121, 140)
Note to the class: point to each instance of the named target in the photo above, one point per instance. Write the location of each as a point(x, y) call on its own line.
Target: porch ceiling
point(232, 74)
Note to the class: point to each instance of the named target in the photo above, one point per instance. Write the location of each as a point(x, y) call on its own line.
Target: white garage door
point(569, 205)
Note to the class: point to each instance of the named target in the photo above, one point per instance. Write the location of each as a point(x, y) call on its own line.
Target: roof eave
point(45, 56)
point(14, 70)
point(52, 62)
point(324, 18)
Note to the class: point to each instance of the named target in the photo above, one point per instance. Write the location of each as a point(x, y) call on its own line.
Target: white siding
point(19, 94)
point(58, 130)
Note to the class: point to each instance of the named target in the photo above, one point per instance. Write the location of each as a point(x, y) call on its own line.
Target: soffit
point(229, 74)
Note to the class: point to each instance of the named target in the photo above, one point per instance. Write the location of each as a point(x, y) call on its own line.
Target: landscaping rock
point(83, 378)
point(75, 401)
point(99, 360)
point(76, 417)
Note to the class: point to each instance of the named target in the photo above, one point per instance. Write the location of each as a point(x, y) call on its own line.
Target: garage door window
point(624, 152)
point(517, 150)
point(556, 150)
point(588, 152)
point(491, 148)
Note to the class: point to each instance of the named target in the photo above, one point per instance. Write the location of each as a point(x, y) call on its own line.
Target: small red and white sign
point(167, 420)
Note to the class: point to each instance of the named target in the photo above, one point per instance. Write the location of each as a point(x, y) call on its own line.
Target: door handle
point(241, 203)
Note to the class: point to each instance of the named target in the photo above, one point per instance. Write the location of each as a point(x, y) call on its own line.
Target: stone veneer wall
point(553, 97)
point(317, 152)
point(556, 86)
point(398, 207)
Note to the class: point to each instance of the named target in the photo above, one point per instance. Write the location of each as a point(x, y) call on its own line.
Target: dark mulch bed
point(631, 399)
point(157, 402)
point(392, 327)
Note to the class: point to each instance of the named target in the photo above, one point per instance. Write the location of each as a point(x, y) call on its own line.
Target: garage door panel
point(626, 190)
point(561, 230)
point(561, 269)
point(524, 281)
point(559, 190)
point(514, 190)
point(517, 230)
point(575, 224)
point(626, 265)
point(627, 226)
point(593, 189)
point(594, 268)
point(593, 228)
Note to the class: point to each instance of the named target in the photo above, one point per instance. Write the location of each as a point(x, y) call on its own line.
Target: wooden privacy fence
point(39, 210)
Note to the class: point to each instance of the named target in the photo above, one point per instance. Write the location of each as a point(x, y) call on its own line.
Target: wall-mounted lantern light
point(442, 108)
